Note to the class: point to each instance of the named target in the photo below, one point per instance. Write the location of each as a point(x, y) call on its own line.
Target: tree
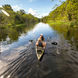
point(67, 11)
point(7, 7)
point(21, 12)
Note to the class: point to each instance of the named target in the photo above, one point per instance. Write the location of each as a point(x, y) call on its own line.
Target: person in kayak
point(41, 43)
point(42, 37)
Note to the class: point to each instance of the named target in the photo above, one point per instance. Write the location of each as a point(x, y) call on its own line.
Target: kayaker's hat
point(41, 35)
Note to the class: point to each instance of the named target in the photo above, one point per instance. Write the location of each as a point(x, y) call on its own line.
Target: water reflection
point(22, 37)
point(13, 37)
point(13, 32)
point(19, 60)
point(52, 65)
point(69, 33)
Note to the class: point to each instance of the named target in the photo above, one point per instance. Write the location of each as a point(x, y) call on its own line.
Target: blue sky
point(37, 8)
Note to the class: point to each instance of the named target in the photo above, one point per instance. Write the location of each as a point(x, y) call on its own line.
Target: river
point(18, 57)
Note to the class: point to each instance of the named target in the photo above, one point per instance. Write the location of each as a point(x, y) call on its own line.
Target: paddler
point(42, 37)
point(40, 42)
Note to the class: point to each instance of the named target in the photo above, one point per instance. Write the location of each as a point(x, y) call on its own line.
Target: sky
point(38, 8)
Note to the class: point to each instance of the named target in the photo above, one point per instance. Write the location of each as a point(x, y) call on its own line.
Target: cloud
point(37, 13)
point(31, 11)
point(45, 14)
point(16, 7)
point(42, 15)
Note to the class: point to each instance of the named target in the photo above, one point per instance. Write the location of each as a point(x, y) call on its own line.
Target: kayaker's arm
point(37, 43)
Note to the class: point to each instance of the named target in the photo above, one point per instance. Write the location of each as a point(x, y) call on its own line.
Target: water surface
point(33, 34)
point(18, 57)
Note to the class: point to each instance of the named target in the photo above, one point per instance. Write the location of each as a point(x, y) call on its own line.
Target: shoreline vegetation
point(65, 14)
point(15, 24)
point(63, 23)
point(16, 18)
point(13, 32)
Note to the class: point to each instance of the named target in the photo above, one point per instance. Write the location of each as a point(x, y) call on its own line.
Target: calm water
point(69, 34)
point(18, 57)
point(33, 34)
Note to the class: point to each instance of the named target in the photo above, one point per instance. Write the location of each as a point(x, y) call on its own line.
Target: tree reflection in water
point(13, 32)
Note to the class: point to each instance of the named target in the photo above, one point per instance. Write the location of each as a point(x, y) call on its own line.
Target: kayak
point(39, 52)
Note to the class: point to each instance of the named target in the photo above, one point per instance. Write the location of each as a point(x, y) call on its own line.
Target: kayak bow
point(39, 52)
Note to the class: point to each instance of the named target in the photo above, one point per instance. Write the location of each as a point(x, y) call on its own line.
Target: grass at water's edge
point(17, 25)
point(61, 23)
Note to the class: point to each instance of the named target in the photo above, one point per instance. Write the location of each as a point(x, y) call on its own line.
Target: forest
point(66, 13)
point(15, 24)
point(16, 18)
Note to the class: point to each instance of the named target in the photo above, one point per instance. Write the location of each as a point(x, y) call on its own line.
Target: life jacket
point(40, 44)
point(42, 38)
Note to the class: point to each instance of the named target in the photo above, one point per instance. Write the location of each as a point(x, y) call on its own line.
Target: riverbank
point(17, 25)
point(8, 31)
point(58, 22)
point(63, 23)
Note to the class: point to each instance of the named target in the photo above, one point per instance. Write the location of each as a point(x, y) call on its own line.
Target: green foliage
point(72, 9)
point(17, 23)
point(13, 31)
point(7, 7)
point(16, 17)
point(21, 12)
point(1, 18)
point(68, 11)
